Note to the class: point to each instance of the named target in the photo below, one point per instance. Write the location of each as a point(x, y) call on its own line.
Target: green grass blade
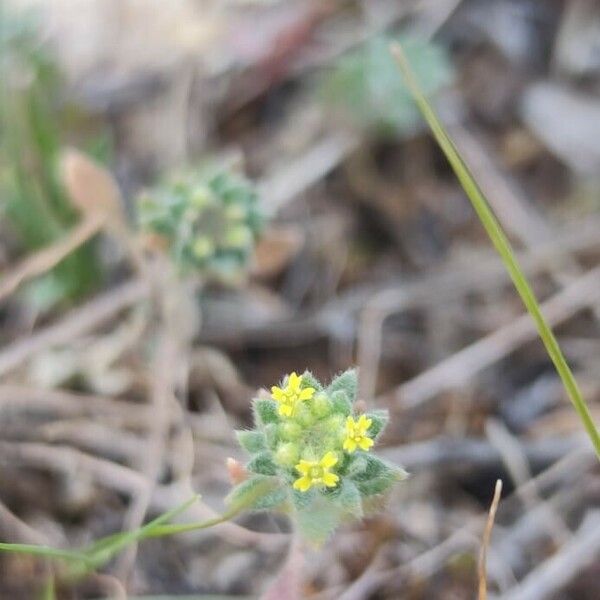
point(502, 245)
point(104, 549)
point(45, 551)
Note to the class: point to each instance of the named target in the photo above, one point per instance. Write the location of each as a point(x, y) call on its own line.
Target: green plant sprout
point(32, 197)
point(208, 221)
point(312, 450)
point(501, 244)
point(367, 90)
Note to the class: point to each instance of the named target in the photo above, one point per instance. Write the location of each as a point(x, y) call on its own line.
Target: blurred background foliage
point(34, 125)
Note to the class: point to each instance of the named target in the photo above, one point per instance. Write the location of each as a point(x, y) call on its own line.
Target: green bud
point(320, 405)
point(287, 454)
point(200, 198)
point(304, 416)
point(290, 431)
point(238, 237)
point(202, 247)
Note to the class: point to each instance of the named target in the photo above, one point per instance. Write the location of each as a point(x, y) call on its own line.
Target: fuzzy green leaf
point(265, 411)
point(349, 498)
point(309, 380)
point(250, 493)
point(347, 382)
point(251, 441)
point(273, 499)
point(374, 487)
point(318, 521)
point(302, 500)
point(340, 403)
point(263, 464)
point(272, 435)
point(380, 420)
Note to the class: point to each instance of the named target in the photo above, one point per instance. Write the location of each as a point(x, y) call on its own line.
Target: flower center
point(316, 472)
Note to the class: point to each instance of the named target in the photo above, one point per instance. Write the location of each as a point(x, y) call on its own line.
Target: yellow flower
point(316, 472)
point(356, 434)
point(291, 395)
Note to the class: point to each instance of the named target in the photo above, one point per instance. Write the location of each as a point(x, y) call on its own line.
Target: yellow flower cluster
point(318, 472)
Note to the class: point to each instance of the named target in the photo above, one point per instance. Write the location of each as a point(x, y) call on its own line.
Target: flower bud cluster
point(209, 221)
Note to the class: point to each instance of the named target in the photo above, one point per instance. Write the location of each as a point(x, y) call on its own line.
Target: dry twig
point(487, 534)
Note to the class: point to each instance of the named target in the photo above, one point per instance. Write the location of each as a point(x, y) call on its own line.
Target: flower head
point(288, 397)
point(356, 434)
point(316, 472)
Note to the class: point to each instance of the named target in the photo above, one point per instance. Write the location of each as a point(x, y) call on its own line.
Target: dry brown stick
point(464, 364)
point(16, 399)
point(554, 574)
point(68, 461)
point(49, 257)
point(487, 534)
point(15, 530)
point(78, 322)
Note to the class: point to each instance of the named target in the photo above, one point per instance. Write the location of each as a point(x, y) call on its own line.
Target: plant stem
point(502, 245)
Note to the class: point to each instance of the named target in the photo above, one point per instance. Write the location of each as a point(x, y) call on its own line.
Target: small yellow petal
point(349, 445)
point(330, 479)
point(306, 394)
point(293, 380)
point(277, 393)
point(364, 422)
point(365, 443)
point(328, 460)
point(303, 484)
point(303, 467)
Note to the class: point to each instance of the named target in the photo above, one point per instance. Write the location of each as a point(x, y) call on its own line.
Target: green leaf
point(250, 493)
point(251, 441)
point(377, 486)
point(271, 500)
point(380, 420)
point(265, 411)
point(502, 245)
point(263, 464)
point(309, 380)
point(340, 403)
point(347, 382)
point(318, 521)
point(365, 88)
point(272, 435)
point(349, 498)
point(302, 500)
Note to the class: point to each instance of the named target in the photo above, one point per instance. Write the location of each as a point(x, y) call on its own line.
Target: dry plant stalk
point(487, 534)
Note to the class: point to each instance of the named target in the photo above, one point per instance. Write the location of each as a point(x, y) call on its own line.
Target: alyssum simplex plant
point(311, 453)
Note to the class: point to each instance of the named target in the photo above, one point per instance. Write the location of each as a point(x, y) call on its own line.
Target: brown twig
point(487, 533)
point(76, 323)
